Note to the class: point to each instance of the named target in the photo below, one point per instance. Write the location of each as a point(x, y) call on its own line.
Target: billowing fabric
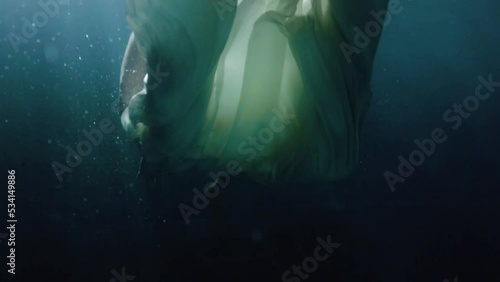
point(264, 84)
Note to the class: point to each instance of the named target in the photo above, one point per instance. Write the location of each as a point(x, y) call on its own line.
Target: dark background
point(442, 222)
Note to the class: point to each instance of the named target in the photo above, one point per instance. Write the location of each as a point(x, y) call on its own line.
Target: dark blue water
point(440, 223)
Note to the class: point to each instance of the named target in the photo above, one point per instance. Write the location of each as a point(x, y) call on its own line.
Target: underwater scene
point(250, 140)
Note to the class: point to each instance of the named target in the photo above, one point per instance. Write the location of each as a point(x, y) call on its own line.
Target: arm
point(132, 73)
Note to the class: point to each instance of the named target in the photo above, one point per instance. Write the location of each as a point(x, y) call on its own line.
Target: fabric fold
point(267, 87)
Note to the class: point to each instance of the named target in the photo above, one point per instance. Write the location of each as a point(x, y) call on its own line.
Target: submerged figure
point(276, 89)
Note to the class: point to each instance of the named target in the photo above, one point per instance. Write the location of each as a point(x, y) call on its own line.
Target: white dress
point(264, 87)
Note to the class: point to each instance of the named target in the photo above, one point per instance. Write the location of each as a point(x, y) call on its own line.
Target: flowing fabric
point(262, 85)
